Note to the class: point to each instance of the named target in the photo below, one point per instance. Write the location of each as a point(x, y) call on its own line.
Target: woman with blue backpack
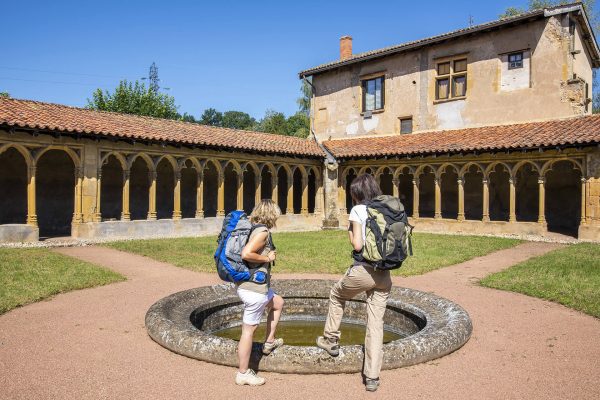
point(256, 293)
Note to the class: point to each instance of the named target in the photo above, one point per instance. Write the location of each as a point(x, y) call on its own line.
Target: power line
point(45, 81)
point(59, 72)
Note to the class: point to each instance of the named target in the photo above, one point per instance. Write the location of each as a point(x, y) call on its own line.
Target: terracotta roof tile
point(574, 131)
point(56, 117)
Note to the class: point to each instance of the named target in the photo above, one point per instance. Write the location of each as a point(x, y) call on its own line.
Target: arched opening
point(266, 183)
point(165, 189)
point(211, 190)
point(427, 193)
point(297, 190)
point(13, 181)
point(473, 187)
point(350, 177)
point(499, 188)
point(189, 185)
point(563, 198)
point(231, 178)
point(55, 185)
point(282, 190)
point(527, 193)
point(449, 191)
point(249, 189)
point(386, 182)
point(312, 191)
point(405, 190)
point(111, 189)
point(139, 186)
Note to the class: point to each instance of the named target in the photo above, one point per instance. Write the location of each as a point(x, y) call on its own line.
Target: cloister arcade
point(550, 191)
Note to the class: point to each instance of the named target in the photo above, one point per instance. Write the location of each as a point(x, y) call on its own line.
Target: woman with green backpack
point(360, 277)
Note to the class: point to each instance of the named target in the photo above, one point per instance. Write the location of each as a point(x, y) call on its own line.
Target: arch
point(249, 176)
point(118, 156)
point(403, 169)
point(189, 162)
point(189, 168)
point(297, 182)
point(526, 175)
point(405, 175)
point(139, 186)
point(522, 163)
point(70, 152)
point(312, 189)
point(267, 173)
point(283, 174)
point(21, 149)
point(386, 180)
point(231, 172)
point(472, 175)
point(211, 173)
point(548, 165)
point(13, 181)
point(111, 186)
point(426, 176)
point(563, 196)
point(345, 173)
point(423, 167)
point(367, 170)
point(499, 175)
point(492, 166)
point(55, 191)
point(165, 187)
point(442, 169)
point(131, 159)
point(448, 176)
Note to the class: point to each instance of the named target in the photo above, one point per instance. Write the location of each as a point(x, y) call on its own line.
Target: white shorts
point(254, 305)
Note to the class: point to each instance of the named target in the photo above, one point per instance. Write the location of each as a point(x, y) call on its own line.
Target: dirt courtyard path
point(92, 343)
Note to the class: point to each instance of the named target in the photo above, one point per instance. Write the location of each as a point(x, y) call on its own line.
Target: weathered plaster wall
point(410, 84)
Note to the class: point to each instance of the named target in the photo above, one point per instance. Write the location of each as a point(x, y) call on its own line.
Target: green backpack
point(388, 233)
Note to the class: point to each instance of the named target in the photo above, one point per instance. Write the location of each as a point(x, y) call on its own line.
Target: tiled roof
point(451, 35)
point(574, 131)
point(65, 119)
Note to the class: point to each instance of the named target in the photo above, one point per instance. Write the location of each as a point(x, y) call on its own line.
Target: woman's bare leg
point(245, 346)
point(275, 308)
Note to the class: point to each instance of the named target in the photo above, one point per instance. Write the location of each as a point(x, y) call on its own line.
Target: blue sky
point(224, 54)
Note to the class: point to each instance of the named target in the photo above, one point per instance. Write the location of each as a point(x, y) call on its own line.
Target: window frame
point(451, 77)
point(363, 84)
point(407, 118)
point(521, 62)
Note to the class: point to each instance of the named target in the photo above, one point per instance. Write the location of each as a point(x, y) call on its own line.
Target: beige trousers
point(377, 285)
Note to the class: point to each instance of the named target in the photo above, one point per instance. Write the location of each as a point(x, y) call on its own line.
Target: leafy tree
point(511, 12)
point(237, 120)
point(134, 98)
point(304, 100)
point(211, 117)
point(187, 118)
point(298, 125)
point(273, 122)
point(4, 94)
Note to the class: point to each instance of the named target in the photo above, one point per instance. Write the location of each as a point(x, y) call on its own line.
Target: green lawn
point(321, 252)
point(28, 275)
point(569, 276)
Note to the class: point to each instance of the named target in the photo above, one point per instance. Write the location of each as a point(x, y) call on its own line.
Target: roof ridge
point(148, 117)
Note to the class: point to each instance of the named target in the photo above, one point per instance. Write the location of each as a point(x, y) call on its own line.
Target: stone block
point(17, 233)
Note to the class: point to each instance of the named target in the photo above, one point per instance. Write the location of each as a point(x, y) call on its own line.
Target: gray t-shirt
point(264, 267)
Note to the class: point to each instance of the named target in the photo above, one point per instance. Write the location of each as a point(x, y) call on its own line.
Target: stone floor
point(92, 344)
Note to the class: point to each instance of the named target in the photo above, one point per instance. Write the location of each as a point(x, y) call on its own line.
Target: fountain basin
point(186, 323)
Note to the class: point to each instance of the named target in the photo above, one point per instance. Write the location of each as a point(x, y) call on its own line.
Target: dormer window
point(372, 94)
point(515, 60)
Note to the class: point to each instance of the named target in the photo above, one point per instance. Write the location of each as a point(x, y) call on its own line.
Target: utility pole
point(153, 78)
point(471, 22)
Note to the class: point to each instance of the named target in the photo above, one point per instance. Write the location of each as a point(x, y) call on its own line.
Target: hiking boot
point(329, 345)
point(371, 385)
point(268, 347)
point(249, 378)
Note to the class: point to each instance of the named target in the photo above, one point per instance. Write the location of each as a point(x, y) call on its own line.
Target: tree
point(187, 117)
point(211, 117)
point(237, 120)
point(298, 125)
point(304, 100)
point(134, 98)
point(511, 12)
point(4, 94)
point(273, 122)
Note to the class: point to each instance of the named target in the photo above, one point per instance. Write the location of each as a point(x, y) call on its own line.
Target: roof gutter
point(329, 158)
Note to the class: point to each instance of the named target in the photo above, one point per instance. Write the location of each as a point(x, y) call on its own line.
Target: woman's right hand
point(272, 255)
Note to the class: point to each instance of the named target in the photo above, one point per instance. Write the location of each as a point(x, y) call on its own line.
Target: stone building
point(482, 130)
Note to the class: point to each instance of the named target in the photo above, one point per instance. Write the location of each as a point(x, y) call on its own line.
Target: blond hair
point(266, 212)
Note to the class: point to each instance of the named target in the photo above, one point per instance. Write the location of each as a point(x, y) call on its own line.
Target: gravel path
point(92, 344)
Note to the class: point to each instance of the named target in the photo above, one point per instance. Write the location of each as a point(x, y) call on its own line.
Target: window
point(406, 125)
point(451, 81)
point(372, 94)
point(515, 60)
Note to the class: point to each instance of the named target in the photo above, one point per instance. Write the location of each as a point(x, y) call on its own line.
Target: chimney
point(345, 47)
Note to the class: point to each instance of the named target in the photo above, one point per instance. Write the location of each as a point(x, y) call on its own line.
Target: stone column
point(318, 197)
point(415, 183)
point(177, 196)
point(77, 215)
point(486, 200)
point(31, 207)
point(342, 197)
point(512, 216)
point(290, 195)
point(395, 187)
point(584, 186)
point(438, 198)
point(461, 199)
point(152, 196)
point(541, 200)
point(221, 195)
point(240, 191)
point(200, 195)
point(98, 212)
point(274, 190)
point(304, 206)
point(257, 188)
point(125, 214)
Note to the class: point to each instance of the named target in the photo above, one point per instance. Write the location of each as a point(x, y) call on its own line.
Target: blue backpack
point(228, 257)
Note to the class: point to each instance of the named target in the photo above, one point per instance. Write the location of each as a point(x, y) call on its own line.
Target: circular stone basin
point(187, 322)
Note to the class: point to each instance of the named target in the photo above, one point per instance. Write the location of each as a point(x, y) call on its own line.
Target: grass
point(29, 275)
point(319, 252)
point(569, 276)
